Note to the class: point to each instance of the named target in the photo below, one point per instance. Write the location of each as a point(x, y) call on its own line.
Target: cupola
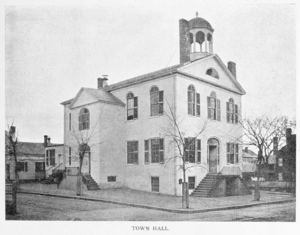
point(195, 38)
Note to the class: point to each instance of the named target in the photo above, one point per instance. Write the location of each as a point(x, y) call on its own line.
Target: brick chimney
point(184, 41)
point(12, 132)
point(102, 82)
point(49, 140)
point(45, 141)
point(288, 133)
point(232, 68)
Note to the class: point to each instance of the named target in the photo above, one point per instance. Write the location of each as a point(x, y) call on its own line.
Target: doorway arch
point(213, 147)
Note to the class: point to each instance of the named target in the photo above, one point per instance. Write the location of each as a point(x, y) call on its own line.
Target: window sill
point(194, 116)
point(150, 117)
point(132, 164)
point(131, 120)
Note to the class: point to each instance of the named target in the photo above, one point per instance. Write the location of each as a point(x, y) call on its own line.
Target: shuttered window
point(157, 150)
point(156, 102)
point(213, 107)
point(191, 100)
point(198, 151)
point(132, 152)
point(192, 150)
point(84, 119)
point(232, 153)
point(132, 107)
point(232, 112)
point(198, 104)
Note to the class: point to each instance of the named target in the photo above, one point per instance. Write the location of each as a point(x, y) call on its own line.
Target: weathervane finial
point(196, 13)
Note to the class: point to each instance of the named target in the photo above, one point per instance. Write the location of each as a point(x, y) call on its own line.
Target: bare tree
point(259, 132)
point(83, 137)
point(182, 143)
point(11, 144)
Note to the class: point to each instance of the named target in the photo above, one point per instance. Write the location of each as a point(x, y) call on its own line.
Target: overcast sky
point(53, 51)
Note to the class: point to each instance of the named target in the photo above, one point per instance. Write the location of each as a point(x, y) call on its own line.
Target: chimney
point(288, 133)
point(49, 140)
point(232, 68)
point(45, 141)
point(184, 41)
point(246, 150)
point(102, 82)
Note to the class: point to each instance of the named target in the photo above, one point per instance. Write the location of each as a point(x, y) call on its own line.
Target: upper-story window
point(232, 111)
point(232, 153)
point(70, 121)
point(213, 107)
point(193, 101)
point(212, 72)
point(156, 101)
point(84, 119)
point(132, 107)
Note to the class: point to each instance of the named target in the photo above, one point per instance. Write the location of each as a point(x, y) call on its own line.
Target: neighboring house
point(31, 161)
point(129, 145)
point(286, 159)
point(54, 159)
point(249, 159)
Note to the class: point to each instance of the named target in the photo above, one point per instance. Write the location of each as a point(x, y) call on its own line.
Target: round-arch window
point(212, 72)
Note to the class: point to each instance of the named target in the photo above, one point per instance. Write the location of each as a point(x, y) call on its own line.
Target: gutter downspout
point(175, 103)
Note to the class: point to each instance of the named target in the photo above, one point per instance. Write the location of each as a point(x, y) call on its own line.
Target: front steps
point(207, 185)
point(90, 182)
point(218, 185)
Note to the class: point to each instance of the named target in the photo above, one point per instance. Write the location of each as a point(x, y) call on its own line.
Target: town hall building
point(126, 122)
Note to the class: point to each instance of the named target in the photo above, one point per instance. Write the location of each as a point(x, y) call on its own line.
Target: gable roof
point(100, 95)
point(176, 69)
point(145, 77)
point(30, 148)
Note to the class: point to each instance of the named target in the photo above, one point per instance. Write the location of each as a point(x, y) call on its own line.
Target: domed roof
point(199, 23)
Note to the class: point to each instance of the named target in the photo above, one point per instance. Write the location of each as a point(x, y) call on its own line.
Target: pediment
point(225, 79)
point(82, 98)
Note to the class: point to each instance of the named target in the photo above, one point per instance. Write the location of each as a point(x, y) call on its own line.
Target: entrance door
point(86, 164)
point(213, 155)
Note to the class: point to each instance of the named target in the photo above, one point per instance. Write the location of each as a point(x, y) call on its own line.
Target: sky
point(51, 51)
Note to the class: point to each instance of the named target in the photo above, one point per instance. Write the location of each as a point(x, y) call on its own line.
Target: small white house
point(128, 120)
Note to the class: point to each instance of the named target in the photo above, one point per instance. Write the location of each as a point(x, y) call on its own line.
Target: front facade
point(129, 122)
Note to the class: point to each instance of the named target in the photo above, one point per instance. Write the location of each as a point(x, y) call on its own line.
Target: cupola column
point(211, 45)
point(205, 42)
point(194, 41)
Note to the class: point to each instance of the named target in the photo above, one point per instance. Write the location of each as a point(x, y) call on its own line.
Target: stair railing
point(229, 170)
point(85, 180)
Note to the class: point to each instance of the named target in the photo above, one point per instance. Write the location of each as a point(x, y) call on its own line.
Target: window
point(232, 112)
point(70, 121)
point(232, 153)
point(193, 101)
point(280, 162)
point(213, 107)
point(156, 101)
point(198, 151)
point(132, 152)
point(189, 149)
point(50, 157)
point(39, 166)
point(132, 107)
point(70, 156)
point(146, 151)
point(155, 184)
point(157, 150)
point(22, 166)
point(191, 181)
point(212, 72)
point(192, 150)
point(111, 178)
point(84, 119)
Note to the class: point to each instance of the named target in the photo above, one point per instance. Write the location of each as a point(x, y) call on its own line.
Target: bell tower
point(195, 39)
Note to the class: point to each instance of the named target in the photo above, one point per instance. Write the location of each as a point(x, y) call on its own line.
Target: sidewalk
point(156, 201)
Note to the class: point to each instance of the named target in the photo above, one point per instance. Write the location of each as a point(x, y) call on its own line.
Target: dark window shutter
point(135, 110)
point(236, 114)
point(198, 103)
point(227, 112)
point(161, 96)
point(218, 110)
point(228, 152)
point(26, 166)
point(208, 107)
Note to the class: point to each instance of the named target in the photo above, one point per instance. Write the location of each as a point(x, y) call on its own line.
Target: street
point(35, 207)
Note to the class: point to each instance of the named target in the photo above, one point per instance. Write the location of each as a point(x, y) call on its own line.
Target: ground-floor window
point(39, 166)
point(155, 184)
point(22, 166)
point(192, 180)
point(232, 153)
point(111, 178)
point(156, 150)
point(50, 157)
point(132, 152)
point(192, 150)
